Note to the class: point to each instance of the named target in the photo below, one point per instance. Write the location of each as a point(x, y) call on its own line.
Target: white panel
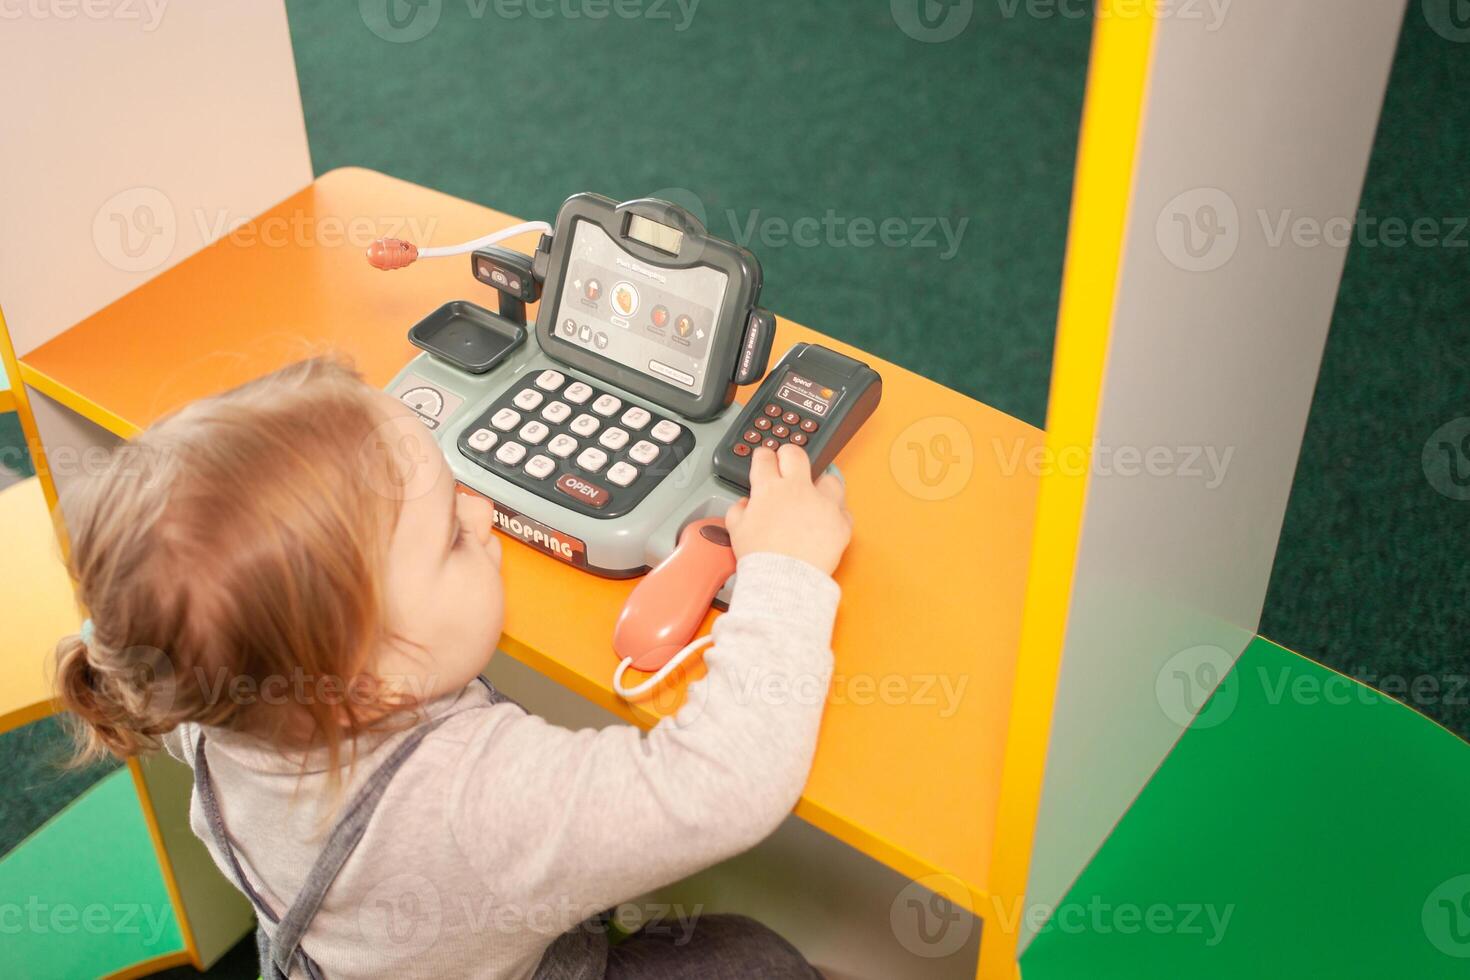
point(1216, 341)
point(76, 448)
point(165, 122)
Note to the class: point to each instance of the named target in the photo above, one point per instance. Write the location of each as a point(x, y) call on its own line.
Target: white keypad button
point(606, 404)
point(666, 431)
point(636, 418)
point(556, 412)
point(577, 392)
point(528, 398)
point(622, 474)
point(549, 380)
point(533, 432)
point(562, 445)
point(614, 439)
point(482, 440)
point(540, 467)
point(643, 452)
point(585, 425)
point(592, 459)
point(506, 419)
point(510, 453)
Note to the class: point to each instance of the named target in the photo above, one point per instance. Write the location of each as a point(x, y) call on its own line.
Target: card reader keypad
point(580, 446)
point(773, 426)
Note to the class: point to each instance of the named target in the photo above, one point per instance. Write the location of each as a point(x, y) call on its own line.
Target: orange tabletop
point(943, 490)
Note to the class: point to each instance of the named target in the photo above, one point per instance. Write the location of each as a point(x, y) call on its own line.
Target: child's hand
point(787, 514)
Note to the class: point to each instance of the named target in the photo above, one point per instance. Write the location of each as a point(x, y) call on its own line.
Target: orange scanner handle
point(665, 609)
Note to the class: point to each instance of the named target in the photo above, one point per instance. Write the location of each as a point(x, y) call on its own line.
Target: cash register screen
point(660, 322)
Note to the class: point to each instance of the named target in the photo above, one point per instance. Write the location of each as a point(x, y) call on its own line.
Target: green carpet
point(1371, 576)
point(15, 459)
point(38, 782)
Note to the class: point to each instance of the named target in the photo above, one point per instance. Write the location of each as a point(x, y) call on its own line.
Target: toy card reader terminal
point(816, 399)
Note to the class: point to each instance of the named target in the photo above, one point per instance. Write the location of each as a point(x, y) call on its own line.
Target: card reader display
point(807, 394)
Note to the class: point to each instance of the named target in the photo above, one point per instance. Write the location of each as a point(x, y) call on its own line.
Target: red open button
point(584, 490)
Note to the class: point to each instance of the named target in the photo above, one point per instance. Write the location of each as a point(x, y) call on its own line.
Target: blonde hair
point(236, 546)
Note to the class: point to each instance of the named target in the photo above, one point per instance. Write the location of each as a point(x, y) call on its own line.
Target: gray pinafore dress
point(580, 954)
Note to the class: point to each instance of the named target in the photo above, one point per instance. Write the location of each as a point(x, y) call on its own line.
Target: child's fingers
point(829, 486)
point(795, 464)
point(763, 468)
point(736, 514)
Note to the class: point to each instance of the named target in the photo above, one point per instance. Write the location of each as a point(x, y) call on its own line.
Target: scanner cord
point(481, 242)
point(634, 693)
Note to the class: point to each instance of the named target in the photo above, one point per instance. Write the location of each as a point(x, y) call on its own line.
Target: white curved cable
point(632, 694)
point(484, 240)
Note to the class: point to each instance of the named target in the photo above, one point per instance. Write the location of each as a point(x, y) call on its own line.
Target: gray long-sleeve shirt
point(503, 831)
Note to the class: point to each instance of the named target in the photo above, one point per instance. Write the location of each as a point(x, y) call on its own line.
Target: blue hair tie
point(87, 631)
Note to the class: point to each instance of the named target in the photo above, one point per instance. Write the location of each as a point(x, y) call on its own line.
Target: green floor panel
point(1305, 827)
point(40, 782)
point(83, 895)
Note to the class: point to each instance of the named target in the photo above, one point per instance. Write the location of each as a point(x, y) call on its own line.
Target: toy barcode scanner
point(666, 608)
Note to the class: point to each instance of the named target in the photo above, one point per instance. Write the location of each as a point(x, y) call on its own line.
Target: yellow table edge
point(1112, 124)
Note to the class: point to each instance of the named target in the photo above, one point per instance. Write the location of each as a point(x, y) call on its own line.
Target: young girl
point(288, 594)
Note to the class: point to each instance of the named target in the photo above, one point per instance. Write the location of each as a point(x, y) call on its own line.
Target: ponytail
point(120, 709)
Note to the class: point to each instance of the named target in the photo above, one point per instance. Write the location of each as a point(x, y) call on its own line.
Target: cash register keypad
point(573, 443)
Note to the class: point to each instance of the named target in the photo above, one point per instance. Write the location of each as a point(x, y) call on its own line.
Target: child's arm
point(592, 818)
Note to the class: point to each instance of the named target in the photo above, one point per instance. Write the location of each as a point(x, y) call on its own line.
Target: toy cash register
point(610, 440)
